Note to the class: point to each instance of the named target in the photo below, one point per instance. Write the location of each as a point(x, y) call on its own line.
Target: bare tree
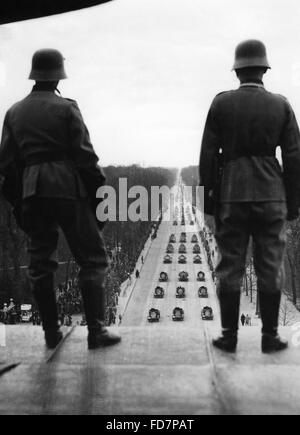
point(293, 260)
point(287, 313)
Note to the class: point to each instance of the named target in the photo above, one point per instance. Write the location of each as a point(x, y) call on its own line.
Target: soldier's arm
point(8, 147)
point(290, 146)
point(82, 148)
point(83, 152)
point(209, 150)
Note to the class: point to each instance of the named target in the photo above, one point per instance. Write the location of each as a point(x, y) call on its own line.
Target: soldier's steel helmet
point(47, 65)
point(251, 53)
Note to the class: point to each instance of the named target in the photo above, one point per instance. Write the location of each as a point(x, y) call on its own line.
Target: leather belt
point(46, 157)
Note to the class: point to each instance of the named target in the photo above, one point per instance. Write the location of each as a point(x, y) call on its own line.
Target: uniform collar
point(253, 83)
point(43, 88)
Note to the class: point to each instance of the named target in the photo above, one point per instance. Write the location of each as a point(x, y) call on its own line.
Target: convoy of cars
point(178, 314)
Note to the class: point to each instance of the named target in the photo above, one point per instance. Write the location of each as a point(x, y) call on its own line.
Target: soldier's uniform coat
point(49, 137)
point(248, 125)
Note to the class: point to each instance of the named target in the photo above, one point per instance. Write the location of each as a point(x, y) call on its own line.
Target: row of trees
point(190, 175)
point(12, 256)
point(125, 240)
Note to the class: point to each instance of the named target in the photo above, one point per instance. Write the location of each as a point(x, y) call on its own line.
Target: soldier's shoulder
point(71, 104)
point(279, 97)
point(221, 97)
point(14, 107)
point(223, 94)
point(70, 100)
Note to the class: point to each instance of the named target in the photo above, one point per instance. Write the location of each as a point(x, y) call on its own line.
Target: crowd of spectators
point(69, 301)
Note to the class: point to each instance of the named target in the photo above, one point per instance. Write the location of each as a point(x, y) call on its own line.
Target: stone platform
point(154, 371)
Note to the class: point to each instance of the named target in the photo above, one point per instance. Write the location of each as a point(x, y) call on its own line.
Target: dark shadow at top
point(14, 10)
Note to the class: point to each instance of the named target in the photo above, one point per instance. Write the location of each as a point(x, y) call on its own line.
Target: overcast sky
point(144, 72)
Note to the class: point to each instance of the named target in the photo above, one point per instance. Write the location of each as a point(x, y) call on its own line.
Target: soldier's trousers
point(265, 222)
point(41, 220)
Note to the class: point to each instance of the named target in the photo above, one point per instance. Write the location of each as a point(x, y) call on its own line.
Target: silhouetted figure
point(247, 191)
point(243, 319)
point(46, 144)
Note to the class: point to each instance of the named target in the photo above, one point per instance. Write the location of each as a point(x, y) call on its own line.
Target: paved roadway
point(158, 369)
point(143, 295)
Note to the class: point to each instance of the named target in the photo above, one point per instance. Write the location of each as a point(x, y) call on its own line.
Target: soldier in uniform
point(254, 196)
point(47, 136)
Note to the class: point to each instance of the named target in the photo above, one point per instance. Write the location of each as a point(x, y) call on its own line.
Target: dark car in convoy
point(159, 293)
point(182, 249)
point(182, 259)
point(194, 238)
point(178, 314)
point(183, 277)
point(201, 277)
point(183, 238)
point(203, 292)
point(154, 315)
point(172, 238)
point(168, 259)
point(197, 249)
point(163, 277)
point(180, 293)
point(207, 313)
point(170, 249)
point(197, 259)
